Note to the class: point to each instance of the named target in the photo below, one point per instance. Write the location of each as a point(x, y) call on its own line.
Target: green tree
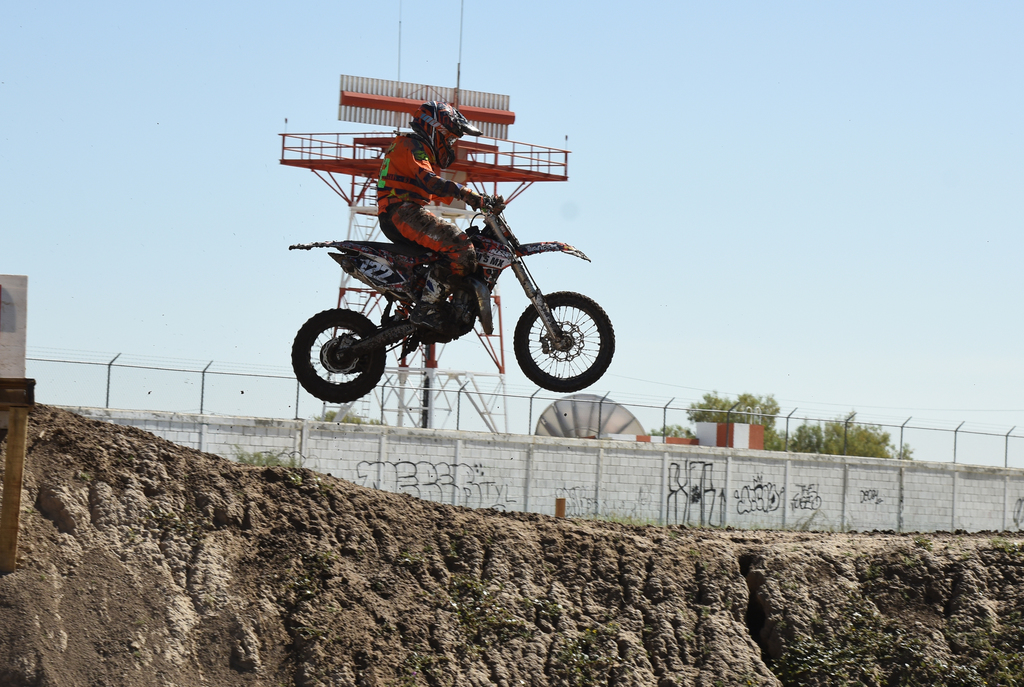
point(673, 431)
point(860, 440)
point(750, 409)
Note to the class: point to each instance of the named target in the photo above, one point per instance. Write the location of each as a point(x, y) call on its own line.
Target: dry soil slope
point(146, 563)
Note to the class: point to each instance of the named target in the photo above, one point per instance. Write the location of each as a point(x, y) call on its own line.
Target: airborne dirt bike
point(564, 341)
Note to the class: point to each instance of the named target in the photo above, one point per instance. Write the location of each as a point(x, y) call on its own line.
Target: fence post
point(846, 426)
point(786, 447)
point(901, 434)
point(664, 419)
point(1006, 452)
point(600, 409)
point(458, 407)
point(728, 417)
point(383, 393)
point(529, 418)
point(597, 482)
point(202, 388)
point(955, 431)
point(109, 365)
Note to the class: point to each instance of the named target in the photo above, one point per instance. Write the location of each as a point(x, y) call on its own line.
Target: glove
point(472, 198)
point(492, 202)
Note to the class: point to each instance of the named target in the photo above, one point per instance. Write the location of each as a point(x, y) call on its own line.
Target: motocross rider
point(409, 179)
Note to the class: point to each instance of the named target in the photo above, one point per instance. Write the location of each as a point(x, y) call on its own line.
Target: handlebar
point(496, 205)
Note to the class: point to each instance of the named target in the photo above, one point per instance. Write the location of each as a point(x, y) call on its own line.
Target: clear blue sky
point(821, 201)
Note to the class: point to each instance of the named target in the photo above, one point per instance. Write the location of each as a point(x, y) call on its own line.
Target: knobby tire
point(574, 370)
point(359, 377)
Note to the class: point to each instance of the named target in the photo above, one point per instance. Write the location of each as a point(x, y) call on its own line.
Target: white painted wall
point(13, 319)
point(670, 483)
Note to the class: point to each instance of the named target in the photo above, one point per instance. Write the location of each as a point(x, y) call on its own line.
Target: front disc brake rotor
point(572, 344)
point(333, 357)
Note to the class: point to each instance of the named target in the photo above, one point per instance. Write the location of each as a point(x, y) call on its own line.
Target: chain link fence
point(131, 383)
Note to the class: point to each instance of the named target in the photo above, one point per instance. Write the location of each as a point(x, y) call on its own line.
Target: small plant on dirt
point(309, 580)
point(410, 560)
point(349, 418)
point(546, 609)
point(994, 651)
point(187, 525)
point(587, 659)
point(310, 633)
point(923, 543)
point(867, 649)
point(425, 667)
point(1006, 546)
point(484, 619)
point(264, 459)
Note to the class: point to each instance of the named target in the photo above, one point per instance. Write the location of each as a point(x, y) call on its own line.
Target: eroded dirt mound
point(146, 563)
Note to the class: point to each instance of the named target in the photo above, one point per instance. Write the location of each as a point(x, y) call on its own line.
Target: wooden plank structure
point(17, 396)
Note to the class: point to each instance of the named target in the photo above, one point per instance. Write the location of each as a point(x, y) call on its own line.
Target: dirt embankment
point(146, 563)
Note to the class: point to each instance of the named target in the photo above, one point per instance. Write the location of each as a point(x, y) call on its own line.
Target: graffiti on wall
point(870, 496)
point(580, 502)
point(807, 498)
point(436, 482)
point(692, 496)
point(1018, 513)
point(758, 497)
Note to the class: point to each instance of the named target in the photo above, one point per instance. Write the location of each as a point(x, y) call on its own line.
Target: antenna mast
point(458, 67)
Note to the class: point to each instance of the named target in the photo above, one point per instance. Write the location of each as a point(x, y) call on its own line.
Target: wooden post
point(14, 469)
point(16, 397)
point(559, 508)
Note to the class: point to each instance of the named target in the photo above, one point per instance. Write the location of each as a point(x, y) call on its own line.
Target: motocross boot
point(435, 290)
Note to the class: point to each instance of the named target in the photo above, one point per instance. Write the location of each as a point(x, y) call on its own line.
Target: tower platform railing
point(482, 159)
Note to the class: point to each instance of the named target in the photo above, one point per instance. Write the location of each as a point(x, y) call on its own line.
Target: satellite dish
point(578, 416)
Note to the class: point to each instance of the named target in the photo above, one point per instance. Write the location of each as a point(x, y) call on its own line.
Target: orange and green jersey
point(408, 175)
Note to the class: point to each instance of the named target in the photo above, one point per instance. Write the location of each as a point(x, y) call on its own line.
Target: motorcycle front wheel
point(591, 343)
point(321, 364)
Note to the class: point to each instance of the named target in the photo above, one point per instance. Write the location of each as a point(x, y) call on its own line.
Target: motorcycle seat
point(409, 250)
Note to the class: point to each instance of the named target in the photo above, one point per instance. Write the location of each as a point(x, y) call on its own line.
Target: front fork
point(543, 311)
point(560, 341)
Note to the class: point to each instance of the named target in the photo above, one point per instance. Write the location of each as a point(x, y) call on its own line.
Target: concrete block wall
point(658, 483)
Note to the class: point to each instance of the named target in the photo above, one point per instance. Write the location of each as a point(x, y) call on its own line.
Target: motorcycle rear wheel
point(584, 362)
point(319, 361)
